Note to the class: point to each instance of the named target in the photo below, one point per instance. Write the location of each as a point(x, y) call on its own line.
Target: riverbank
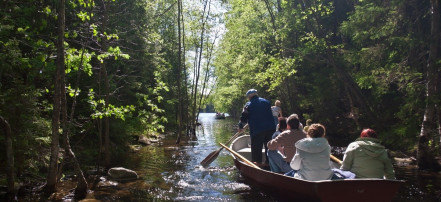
point(172, 172)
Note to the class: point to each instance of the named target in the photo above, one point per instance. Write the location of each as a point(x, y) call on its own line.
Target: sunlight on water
point(171, 172)
point(420, 185)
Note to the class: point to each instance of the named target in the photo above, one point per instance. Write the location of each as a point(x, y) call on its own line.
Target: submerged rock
point(171, 148)
point(144, 140)
point(405, 161)
point(134, 148)
point(109, 183)
point(120, 173)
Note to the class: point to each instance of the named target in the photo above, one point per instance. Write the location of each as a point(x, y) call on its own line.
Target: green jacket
point(367, 158)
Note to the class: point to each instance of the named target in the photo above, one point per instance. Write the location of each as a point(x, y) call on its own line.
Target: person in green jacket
point(367, 158)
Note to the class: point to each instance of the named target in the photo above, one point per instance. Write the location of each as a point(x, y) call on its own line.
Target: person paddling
point(257, 113)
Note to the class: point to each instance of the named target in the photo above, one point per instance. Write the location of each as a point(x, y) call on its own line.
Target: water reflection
point(419, 186)
point(170, 172)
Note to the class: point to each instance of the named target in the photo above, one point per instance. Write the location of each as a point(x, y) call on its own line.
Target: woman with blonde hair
point(277, 111)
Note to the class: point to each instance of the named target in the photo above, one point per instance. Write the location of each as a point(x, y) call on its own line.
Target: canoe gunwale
point(361, 189)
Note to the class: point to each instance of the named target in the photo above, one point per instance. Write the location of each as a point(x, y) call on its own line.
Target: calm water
point(173, 173)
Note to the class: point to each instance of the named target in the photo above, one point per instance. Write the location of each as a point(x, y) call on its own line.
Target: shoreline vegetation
point(81, 80)
point(31, 185)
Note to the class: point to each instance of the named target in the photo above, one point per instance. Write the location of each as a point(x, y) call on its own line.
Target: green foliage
point(277, 72)
point(76, 60)
point(112, 52)
point(139, 58)
point(311, 54)
point(384, 56)
point(100, 110)
point(25, 70)
point(151, 117)
point(331, 61)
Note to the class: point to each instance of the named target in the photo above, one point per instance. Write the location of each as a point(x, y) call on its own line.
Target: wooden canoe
point(219, 116)
point(289, 188)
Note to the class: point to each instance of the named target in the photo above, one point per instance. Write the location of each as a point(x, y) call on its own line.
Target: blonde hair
point(278, 103)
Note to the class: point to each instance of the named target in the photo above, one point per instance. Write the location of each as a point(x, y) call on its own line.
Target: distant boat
point(220, 116)
point(303, 190)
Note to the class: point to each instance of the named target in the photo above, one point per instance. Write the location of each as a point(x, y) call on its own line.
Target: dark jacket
point(257, 113)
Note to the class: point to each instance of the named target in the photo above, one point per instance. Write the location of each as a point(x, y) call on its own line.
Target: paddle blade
point(210, 158)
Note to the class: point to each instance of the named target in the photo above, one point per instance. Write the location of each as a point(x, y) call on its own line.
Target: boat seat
point(242, 145)
point(246, 152)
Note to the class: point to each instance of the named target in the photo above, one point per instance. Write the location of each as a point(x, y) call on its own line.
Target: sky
point(218, 29)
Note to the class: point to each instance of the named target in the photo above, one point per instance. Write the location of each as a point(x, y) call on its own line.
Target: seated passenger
point(308, 123)
point(312, 156)
point(281, 149)
point(300, 123)
point(281, 126)
point(367, 158)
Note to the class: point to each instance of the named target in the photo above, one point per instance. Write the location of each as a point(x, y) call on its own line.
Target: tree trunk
point(199, 62)
point(439, 127)
point(9, 155)
point(81, 189)
point(279, 6)
point(186, 103)
point(53, 165)
point(100, 127)
point(438, 109)
point(178, 139)
point(106, 131)
point(270, 11)
point(193, 92)
point(207, 71)
point(425, 157)
point(353, 113)
point(106, 121)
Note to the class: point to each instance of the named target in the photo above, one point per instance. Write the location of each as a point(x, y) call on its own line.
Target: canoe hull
point(219, 116)
point(285, 187)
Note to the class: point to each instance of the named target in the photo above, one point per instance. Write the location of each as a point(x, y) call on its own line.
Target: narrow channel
point(171, 173)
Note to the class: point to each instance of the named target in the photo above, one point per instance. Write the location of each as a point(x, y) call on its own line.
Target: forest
point(81, 80)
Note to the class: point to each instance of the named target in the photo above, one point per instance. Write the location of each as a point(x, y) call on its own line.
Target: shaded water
point(173, 173)
point(419, 186)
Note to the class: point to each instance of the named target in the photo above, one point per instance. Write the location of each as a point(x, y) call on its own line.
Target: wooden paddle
point(240, 157)
point(213, 155)
point(336, 159)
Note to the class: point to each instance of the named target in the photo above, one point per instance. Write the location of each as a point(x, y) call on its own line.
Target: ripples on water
point(419, 186)
point(170, 172)
point(173, 173)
